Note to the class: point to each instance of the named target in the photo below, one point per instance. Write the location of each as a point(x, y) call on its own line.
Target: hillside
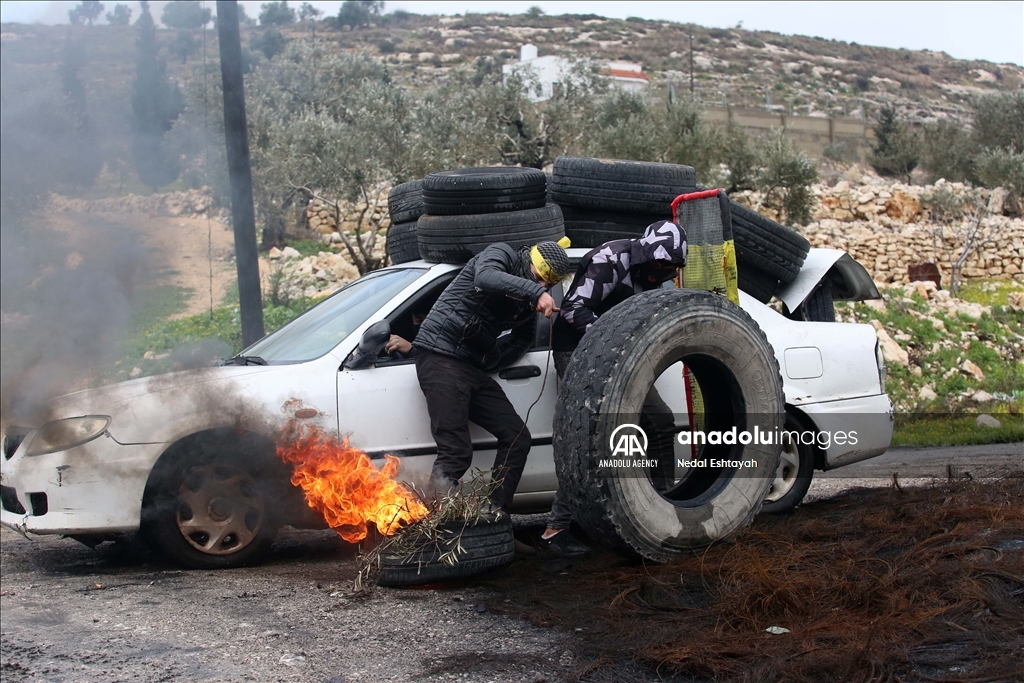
point(732, 67)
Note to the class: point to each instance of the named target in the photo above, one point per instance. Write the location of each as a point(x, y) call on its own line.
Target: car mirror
point(371, 344)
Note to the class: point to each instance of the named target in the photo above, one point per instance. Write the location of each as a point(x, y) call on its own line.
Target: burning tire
point(212, 512)
point(486, 544)
point(793, 476)
point(611, 374)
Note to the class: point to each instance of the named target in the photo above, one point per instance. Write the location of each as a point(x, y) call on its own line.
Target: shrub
point(898, 148)
point(785, 178)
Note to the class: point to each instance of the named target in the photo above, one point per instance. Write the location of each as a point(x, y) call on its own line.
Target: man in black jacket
point(607, 276)
point(460, 344)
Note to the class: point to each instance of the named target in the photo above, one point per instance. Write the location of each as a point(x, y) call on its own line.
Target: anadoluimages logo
point(629, 441)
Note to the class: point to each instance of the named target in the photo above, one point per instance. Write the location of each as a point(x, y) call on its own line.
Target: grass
point(955, 430)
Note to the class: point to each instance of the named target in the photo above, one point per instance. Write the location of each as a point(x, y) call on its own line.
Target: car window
point(322, 327)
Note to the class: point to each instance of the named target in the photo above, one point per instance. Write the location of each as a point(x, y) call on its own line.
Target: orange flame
point(342, 484)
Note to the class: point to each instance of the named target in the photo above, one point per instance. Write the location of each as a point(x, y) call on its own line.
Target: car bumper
point(865, 425)
point(93, 488)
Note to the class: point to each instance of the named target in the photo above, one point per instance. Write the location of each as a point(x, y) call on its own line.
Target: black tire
point(182, 517)
point(456, 239)
point(405, 201)
point(608, 378)
point(630, 186)
point(592, 228)
point(484, 190)
point(817, 307)
point(793, 476)
point(767, 245)
point(403, 245)
point(759, 285)
point(487, 545)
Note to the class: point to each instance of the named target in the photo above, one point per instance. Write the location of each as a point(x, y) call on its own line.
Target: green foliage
point(948, 151)
point(898, 148)
point(535, 12)
point(156, 103)
point(86, 11)
point(1003, 167)
point(954, 430)
point(276, 14)
point(356, 13)
point(785, 178)
point(999, 121)
point(84, 154)
point(184, 45)
point(309, 13)
point(121, 16)
point(270, 42)
point(186, 14)
point(740, 157)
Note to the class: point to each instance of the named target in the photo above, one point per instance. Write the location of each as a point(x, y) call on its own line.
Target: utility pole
point(691, 66)
point(236, 134)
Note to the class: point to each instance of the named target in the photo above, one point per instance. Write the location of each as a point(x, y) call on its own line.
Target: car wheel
point(405, 202)
point(486, 544)
point(403, 245)
point(456, 239)
point(610, 376)
point(213, 515)
point(613, 185)
point(484, 190)
point(793, 476)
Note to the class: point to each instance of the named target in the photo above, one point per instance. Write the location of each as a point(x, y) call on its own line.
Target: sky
point(992, 31)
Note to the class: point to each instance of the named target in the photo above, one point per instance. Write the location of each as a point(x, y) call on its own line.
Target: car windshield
point(322, 327)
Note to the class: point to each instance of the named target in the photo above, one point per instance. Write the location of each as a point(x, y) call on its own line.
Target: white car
point(189, 457)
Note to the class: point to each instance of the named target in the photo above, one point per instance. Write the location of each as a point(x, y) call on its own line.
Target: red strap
point(703, 194)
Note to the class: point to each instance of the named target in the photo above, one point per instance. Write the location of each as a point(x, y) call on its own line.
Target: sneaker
point(563, 544)
point(523, 549)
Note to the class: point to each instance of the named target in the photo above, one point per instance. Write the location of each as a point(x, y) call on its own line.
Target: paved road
point(119, 614)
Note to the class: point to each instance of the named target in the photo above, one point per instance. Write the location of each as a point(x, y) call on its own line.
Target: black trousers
point(458, 392)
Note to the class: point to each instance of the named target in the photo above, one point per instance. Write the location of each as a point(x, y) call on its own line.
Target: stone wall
point(887, 227)
point(186, 203)
point(322, 217)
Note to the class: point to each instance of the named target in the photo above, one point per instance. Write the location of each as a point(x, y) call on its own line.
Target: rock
point(973, 370)
point(274, 253)
point(877, 305)
point(916, 371)
point(985, 420)
point(981, 396)
point(925, 288)
point(927, 393)
point(891, 351)
point(289, 252)
point(135, 372)
point(937, 324)
point(1015, 300)
point(902, 207)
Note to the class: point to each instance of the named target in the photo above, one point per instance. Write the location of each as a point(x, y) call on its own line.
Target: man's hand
point(546, 305)
point(396, 343)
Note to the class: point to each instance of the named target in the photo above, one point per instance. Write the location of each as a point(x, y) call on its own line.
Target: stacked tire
point(405, 205)
point(465, 210)
point(605, 199)
point(768, 254)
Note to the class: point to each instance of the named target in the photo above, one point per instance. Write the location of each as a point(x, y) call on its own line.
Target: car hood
point(102, 399)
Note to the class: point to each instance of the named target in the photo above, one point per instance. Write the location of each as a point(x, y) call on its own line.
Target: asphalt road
point(118, 613)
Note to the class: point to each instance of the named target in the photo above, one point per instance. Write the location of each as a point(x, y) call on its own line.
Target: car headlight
point(61, 435)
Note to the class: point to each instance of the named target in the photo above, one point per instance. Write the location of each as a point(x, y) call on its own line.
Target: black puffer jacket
point(494, 292)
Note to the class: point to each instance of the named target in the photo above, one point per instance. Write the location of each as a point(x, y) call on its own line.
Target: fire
point(342, 483)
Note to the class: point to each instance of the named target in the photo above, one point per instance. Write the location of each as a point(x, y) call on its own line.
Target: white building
point(550, 69)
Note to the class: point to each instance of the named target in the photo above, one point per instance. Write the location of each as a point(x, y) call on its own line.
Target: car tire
point(607, 380)
point(456, 239)
point(592, 227)
point(759, 285)
point(767, 245)
point(405, 202)
point(484, 190)
point(403, 245)
point(793, 476)
point(487, 544)
point(627, 186)
point(214, 512)
point(817, 307)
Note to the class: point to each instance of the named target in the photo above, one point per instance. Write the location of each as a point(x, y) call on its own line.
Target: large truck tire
point(405, 202)
point(456, 239)
point(403, 245)
point(486, 544)
point(484, 190)
point(605, 385)
point(613, 185)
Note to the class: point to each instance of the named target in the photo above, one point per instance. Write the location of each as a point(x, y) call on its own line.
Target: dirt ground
point(193, 253)
point(120, 613)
